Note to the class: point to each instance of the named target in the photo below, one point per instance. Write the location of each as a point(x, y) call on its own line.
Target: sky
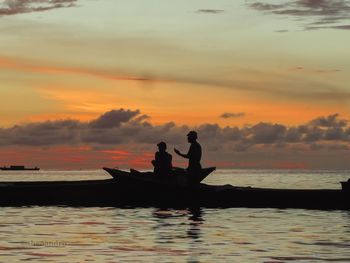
point(92, 83)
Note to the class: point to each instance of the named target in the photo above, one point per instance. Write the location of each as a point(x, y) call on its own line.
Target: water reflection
point(169, 235)
point(194, 233)
point(346, 217)
point(195, 222)
point(185, 224)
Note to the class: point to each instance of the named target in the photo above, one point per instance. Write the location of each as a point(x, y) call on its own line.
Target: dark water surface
point(64, 234)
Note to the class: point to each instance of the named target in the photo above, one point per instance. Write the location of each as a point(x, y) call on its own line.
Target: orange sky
point(84, 94)
point(175, 63)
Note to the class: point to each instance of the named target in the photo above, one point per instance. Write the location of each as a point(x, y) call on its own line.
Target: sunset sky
point(88, 83)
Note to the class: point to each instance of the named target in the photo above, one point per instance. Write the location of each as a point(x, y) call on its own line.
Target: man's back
point(194, 156)
point(163, 161)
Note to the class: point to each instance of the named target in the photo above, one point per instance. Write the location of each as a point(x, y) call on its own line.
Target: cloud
point(42, 133)
point(228, 115)
point(30, 66)
point(282, 31)
point(329, 121)
point(130, 126)
point(113, 118)
point(318, 14)
point(342, 27)
point(320, 71)
point(271, 84)
point(210, 11)
point(263, 144)
point(14, 7)
point(266, 133)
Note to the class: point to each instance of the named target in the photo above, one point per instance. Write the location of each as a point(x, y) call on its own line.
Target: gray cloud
point(228, 115)
point(131, 127)
point(14, 7)
point(282, 31)
point(210, 11)
point(42, 133)
point(266, 133)
point(259, 145)
point(293, 135)
point(318, 14)
point(343, 27)
point(329, 121)
point(313, 134)
point(114, 118)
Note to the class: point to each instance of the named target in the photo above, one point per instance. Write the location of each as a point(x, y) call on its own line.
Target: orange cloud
point(182, 101)
point(30, 66)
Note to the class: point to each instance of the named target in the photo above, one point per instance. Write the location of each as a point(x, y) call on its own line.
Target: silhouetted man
point(162, 160)
point(194, 154)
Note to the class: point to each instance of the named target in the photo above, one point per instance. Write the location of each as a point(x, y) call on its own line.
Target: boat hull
point(346, 186)
point(115, 194)
point(19, 168)
point(25, 169)
point(178, 178)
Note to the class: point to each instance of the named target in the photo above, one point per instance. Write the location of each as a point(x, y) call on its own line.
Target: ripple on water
point(67, 234)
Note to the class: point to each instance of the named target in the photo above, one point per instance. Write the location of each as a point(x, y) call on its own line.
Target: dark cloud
point(13, 7)
point(282, 31)
point(320, 142)
point(318, 14)
point(228, 115)
point(329, 121)
point(231, 134)
point(42, 133)
point(335, 134)
point(313, 134)
point(114, 118)
point(130, 127)
point(210, 11)
point(265, 6)
point(266, 133)
point(343, 27)
point(293, 134)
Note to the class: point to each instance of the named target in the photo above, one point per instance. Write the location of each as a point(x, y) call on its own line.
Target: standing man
point(194, 154)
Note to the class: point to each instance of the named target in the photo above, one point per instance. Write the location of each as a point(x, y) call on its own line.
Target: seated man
point(162, 161)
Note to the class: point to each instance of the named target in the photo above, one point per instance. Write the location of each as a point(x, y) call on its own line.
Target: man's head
point(192, 136)
point(162, 146)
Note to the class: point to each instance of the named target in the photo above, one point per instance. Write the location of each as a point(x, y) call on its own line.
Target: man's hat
point(161, 144)
point(192, 134)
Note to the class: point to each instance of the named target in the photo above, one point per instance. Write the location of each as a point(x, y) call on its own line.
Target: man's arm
point(181, 154)
point(155, 161)
point(156, 156)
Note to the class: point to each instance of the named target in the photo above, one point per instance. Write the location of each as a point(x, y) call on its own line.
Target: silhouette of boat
point(128, 189)
point(179, 177)
point(19, 168)
point(346, 186)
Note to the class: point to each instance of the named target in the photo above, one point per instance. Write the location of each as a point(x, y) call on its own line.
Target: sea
point(110, 234)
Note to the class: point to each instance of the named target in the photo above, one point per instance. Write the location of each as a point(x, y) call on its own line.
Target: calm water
point(64, 234)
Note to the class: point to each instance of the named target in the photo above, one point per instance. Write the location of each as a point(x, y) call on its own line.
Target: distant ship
point(19, 168)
